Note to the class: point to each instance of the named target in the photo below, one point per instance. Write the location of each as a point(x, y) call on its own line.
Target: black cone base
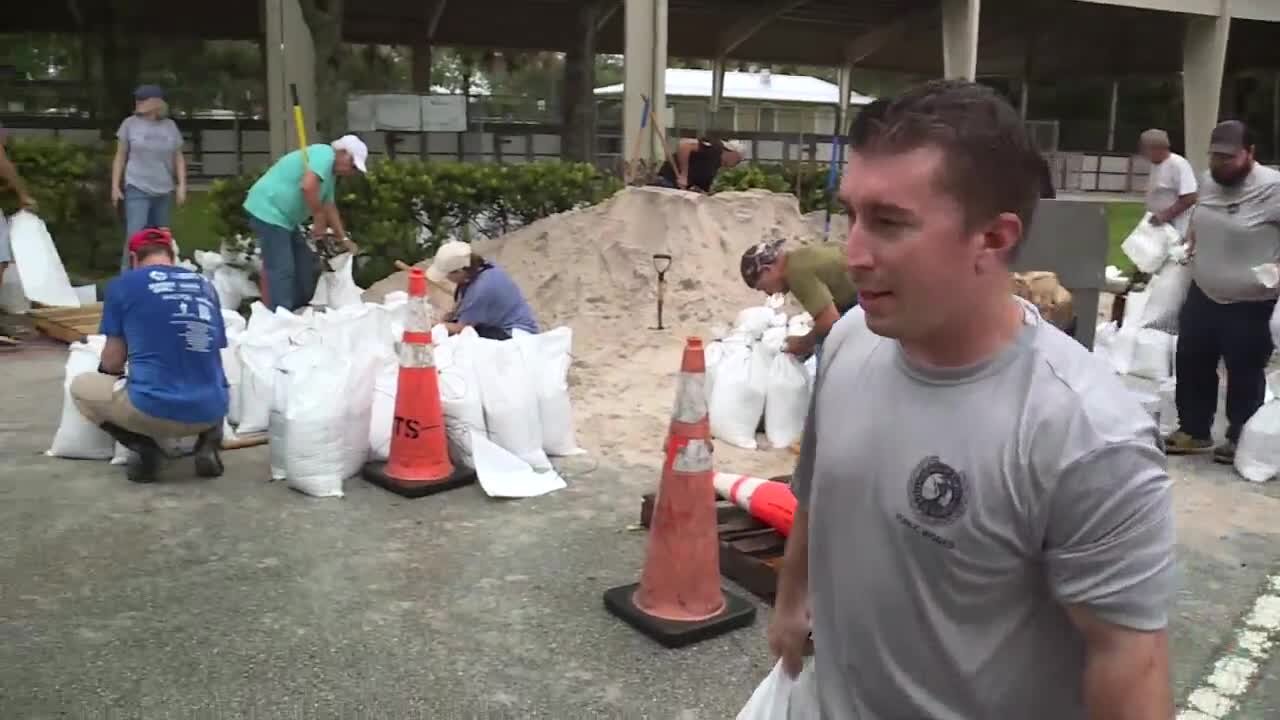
point(376, 473)
point(738, 613)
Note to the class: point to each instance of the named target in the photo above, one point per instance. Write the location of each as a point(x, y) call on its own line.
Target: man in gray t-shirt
point(995, 538)
point(1234, 228)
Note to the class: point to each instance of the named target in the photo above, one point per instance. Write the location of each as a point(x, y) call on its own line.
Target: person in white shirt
point(1171, 186)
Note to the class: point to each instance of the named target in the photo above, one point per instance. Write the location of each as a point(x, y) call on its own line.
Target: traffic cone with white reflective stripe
point(419, 460)
point(679, 600)
point(768, 501)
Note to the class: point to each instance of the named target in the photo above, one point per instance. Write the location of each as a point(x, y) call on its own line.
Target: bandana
point(757, 258)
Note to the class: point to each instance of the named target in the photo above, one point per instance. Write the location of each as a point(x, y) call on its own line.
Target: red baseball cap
point(150, 236)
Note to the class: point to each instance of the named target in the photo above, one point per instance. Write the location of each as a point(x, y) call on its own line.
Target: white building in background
point(753, 102)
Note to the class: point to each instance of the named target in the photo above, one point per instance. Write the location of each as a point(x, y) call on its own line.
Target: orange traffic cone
point(768, 501)
point(419, 462)
point(678, 600)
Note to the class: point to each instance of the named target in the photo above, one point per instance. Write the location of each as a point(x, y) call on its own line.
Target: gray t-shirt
point(952, 513)
point(1236, 229)
point(150, 149)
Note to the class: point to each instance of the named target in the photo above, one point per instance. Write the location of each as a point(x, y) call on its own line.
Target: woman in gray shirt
point(148, 169)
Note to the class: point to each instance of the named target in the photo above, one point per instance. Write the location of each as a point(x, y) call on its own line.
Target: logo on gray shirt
point(938, 492)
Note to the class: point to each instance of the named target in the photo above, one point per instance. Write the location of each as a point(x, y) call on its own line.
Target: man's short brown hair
point(990, 164)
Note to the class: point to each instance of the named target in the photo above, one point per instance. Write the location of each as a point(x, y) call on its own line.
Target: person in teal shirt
point(282, 199)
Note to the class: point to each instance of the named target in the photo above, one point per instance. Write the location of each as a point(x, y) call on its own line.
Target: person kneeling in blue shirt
point(166, 322)
point(486, 298)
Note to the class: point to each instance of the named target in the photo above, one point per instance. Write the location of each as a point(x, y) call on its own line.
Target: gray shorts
point(6, 251)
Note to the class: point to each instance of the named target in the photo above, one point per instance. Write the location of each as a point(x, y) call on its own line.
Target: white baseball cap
point(450, 257)
point(354, 145)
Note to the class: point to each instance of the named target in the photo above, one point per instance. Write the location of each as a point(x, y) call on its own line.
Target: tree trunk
point(324, 19)
point(577, 104)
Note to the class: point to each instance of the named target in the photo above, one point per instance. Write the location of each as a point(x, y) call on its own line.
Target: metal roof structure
point(1042, 37)
point(763, 85)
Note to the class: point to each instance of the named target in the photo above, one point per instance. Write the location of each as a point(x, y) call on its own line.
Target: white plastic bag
point(504, 475)
point(382, 414)
point(337, 288)
point(753, 321)
point(787, 401)
point(737, 403)
point(1165, 295)
point(233, 286)
point(460, 394)
point(548, 357)
point(782, 697)
point(1148, 245)
point(329, 398)
point(1152, 351)
point(510, 400)
point(1258, 452)
point(44, 279)
point(76, 436)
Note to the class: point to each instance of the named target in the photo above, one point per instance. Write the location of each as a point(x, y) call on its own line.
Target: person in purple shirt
point(486, 298)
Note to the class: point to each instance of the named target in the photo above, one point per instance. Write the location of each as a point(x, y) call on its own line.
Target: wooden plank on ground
point(67, 324)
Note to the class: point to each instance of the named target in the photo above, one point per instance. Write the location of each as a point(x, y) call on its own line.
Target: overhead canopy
point(764, 86)
point(1069, 37)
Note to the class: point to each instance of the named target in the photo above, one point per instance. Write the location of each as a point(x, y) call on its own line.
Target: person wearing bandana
point(815, 275)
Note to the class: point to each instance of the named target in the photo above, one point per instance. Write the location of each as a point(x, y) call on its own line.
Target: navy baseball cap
point(147, 92)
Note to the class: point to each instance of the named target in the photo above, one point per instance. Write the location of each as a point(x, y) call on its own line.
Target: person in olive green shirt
point(815, 275)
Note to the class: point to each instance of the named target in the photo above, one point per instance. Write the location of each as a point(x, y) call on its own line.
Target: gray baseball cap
point(1230, 137)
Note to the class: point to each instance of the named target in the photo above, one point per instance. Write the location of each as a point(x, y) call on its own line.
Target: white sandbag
point(1275, 326)
point(1148, 245)
point(711, 357)
point(77, 437)
point(234, 325)
point(171, 447)
point(44, 279)
point(87, 294)
point(382, 413)
point(329, 399)
point(510, 400)
point(779, 320)
point(775, 338)
point(337, 288)
point(800, 325)
point(278, 419)
point(258, 356)
point(753, 321)
point(460, 394)
point(1151, 353)
point(1104, 338)
point(502, 474)
point(1167, 393)
point(233, 286)
point(1135, 306)
point(1258, 452)
point(782, 697)
point(208, 262)
point(548, 357)
point(737, 403)
point(1166, 293)
point(1116, 282)
point(811, 368)
point(787, 401)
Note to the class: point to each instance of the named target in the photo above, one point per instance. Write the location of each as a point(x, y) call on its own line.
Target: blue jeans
point(287, 264)
point(143, 210)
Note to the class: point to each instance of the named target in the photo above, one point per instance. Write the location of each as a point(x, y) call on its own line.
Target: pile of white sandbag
point(1258, 452)
point(231, 273)
point(1144, 344)
point(750, 378)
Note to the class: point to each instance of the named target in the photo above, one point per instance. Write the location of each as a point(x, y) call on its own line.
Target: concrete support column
point(960, 38)
point(844, 79)
point(1111, 116)
point(420, 67)
point(578, 100)
point(291, 58)
point(717, 83)
point(646, 67)
point(1204, 59)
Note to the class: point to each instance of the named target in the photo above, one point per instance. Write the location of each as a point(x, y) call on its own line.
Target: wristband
point(104, 371)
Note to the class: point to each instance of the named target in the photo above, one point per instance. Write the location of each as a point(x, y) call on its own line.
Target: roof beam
point(434, 22)
point(872, 41)
point(742, 30)
point(607, 14)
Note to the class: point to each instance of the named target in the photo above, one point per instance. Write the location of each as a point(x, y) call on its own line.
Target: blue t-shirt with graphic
point(494, 299)
point(171, 323)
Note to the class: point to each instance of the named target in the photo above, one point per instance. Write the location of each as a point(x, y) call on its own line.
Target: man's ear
point(999, 241)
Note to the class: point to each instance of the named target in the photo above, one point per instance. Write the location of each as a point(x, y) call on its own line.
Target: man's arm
point(1179, 206)
point(686, 149)
point(311, 189)
point(114, 355)
point(335, 222)
point(1109, 555)
point(1126, 673)
point(180, 169)
point(9, 174)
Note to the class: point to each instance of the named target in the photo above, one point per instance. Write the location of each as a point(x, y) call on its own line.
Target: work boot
point(1180, 443)
point(208, 459)
point(144, 460)
point(1225, 453)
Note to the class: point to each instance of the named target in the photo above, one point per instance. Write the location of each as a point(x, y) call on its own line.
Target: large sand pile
point(592, 269)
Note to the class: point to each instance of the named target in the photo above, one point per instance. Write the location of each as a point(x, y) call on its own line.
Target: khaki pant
point(101, 401)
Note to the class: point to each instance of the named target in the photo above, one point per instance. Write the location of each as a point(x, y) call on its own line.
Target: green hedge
point(781, 178)
point(403, 209)
point(70, 182)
